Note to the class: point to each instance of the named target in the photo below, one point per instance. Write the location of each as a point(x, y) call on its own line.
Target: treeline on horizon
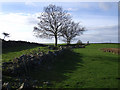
point(12, 43)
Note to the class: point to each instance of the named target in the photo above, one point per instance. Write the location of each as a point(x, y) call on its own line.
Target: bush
point(79, 42)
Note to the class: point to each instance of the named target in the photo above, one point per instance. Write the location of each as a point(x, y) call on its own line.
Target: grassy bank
point(11, 53)
point(80, 68)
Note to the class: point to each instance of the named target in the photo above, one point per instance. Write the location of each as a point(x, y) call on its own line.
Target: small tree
point(51, 22)
point(87, 42)
point(71, 30)
point(6, 34)
point(79, 42)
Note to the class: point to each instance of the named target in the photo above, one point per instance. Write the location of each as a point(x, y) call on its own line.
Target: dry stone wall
point(22, 66)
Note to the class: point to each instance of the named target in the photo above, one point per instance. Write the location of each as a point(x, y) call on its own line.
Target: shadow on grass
point(16, 49)
point(66, 62)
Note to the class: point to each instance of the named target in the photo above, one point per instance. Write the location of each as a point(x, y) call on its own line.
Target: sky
point(99, 18)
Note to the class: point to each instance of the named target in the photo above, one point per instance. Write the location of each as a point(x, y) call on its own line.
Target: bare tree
point(51, 22)
point(71, 30)
point(6, 34)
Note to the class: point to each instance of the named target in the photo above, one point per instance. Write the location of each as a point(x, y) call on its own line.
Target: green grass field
point(77, 68)
point(11, 53)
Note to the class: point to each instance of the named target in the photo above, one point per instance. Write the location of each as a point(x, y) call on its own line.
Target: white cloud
point(0, 8)
point(101, 34)
point(99, 28)
point(104, 27)
point(72, 9)
point(104, 5)
point(29, 3)
point(19, 18)
point(20, 26)
point(96, 20)
point(85, 5)
point(59, 0)
point(17, 24)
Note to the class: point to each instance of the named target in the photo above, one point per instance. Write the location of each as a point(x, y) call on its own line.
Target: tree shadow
point(66, 62)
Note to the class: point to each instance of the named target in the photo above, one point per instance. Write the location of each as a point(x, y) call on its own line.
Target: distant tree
point(79, 42)
point(51, 23)
point(88, 43)
point(71, 30)
point(6, 34)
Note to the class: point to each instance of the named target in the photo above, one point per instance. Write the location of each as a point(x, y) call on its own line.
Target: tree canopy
point(56, 22)
point(71, 30)
point(52, 21)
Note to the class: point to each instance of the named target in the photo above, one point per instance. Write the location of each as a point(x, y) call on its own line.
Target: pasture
point(87, 67)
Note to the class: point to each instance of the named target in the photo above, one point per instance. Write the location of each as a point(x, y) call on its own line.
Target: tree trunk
point(68, 42)
point(55, 40)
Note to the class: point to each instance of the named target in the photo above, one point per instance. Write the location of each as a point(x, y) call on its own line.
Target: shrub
point(79, 42)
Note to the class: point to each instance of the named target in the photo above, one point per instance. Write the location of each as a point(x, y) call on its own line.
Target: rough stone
point(6, 86)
